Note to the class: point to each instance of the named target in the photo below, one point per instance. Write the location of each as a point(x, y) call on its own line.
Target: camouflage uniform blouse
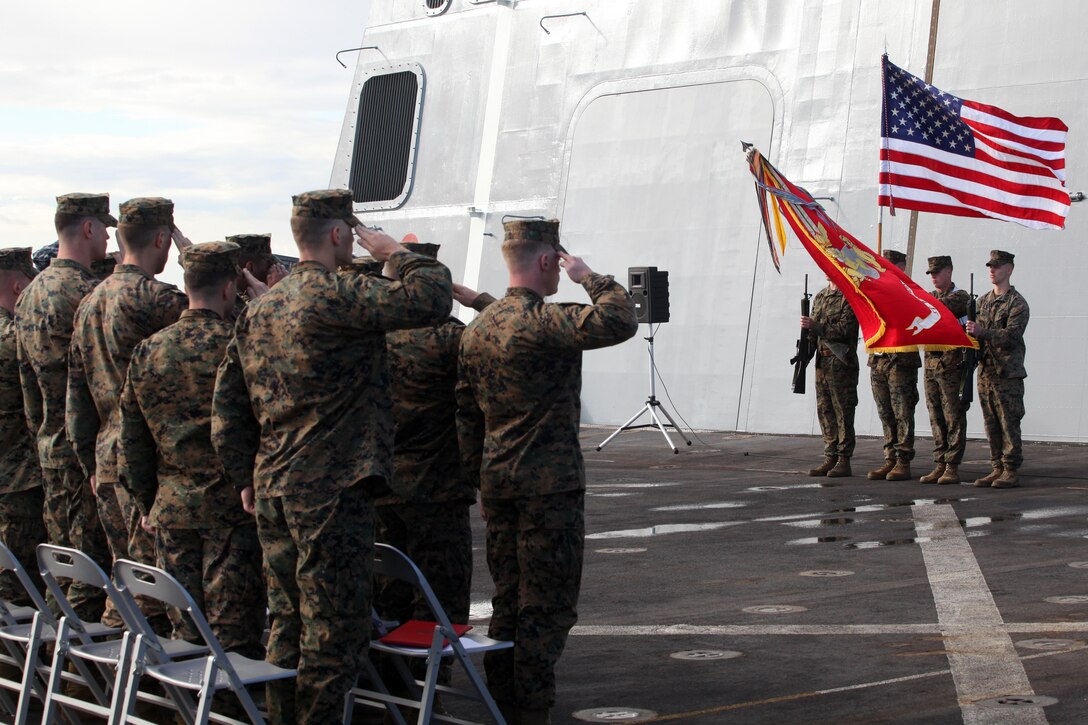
point(1004, 318)
point(166, 458)
point(127, 307)
point(18, 459)
point(302, 398)
point(836, 327)
point(518, 399)
point(957, 301)
point(43, 318)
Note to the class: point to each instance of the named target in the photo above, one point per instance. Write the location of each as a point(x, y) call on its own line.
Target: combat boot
point(534, 717)
point(901, 472)
point(841, 469)
point(880, 473)
point(1008, 479)
point(951, 474)
point(823, 468)
point(934, 475)
point(988, 480)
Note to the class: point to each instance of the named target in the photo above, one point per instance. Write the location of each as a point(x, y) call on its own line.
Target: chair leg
point(478, 683)
point(207, 694)
point(430, 681)
point(56, 679)
point(127, 677)
point(30, 672)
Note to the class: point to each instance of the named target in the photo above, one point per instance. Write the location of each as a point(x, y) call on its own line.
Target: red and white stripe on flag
point(947, 155)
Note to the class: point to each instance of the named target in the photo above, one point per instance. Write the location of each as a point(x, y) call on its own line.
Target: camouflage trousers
point(22, 528)
point(120, 519)
point(319, 558)
point(947, 414)
point(1002, 401)
point(895, 391)
point(438, 538)
point(836, 401)
point(221, 568)
point(534, 552)
point(71, 519)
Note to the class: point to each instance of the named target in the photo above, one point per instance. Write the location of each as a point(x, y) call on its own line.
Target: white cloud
point(226, 107)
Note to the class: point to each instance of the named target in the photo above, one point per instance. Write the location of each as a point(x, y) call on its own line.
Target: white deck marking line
point(980, 653)
point(806, 630)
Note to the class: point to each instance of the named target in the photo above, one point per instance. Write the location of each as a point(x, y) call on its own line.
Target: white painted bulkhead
point(626, 123)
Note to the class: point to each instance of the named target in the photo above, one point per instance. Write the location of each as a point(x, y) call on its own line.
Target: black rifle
point(970, 355)
point(805, 348)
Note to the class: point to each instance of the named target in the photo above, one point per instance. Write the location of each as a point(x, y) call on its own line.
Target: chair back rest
point(59, 561)
point(138, 579)
point(395, 564)
point(8, 562)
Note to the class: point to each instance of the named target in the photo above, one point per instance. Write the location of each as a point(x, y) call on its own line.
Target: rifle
point(805, 348)
point(970, 355)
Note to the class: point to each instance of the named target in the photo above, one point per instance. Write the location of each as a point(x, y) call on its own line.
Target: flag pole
point(931, 51)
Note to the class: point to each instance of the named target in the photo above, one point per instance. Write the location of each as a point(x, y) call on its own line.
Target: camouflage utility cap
point(998, 258)
point(45, 255)
point(936, 264)
point(212, 258)
point(253, 243)
point(148, 211)
point(426, 249)
point(17, 259)
point(532, 230)
point(325, 204)
point(894, 257)
point(92, 205)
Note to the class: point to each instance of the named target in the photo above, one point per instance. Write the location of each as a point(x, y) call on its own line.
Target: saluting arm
point(235, 429)
point(81, 415)
point(608, 321)
point(137, 466)
point(422, 296)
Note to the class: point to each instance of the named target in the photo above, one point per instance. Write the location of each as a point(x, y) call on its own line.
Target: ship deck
point(723, 584)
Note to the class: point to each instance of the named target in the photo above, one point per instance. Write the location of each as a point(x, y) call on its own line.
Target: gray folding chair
point(214, 671)
point(111, 657)
point(23, 640)
point(393, 563)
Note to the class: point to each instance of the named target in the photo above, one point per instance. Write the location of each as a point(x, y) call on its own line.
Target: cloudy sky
point(225, 107)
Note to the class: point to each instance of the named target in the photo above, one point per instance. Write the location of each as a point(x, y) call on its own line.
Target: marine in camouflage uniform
point(894, 380)
point(426, 515)
point(123, 310)
point(22, 527)
point(518, 410)
point(43, 318)
point(944, 376)
point(166, 461)
point(302, 413)
point(1002, 319)
point(255, 258)
point(836, 330)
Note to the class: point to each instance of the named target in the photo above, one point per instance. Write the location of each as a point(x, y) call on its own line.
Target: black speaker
point(650, 290)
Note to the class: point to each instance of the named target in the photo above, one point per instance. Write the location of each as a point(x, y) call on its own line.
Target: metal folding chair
point(23, 639)
point(393, 563)
point(111, 657)
point(216, 670)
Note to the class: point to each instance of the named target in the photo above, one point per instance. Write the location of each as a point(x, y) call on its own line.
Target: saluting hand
point(576, 269)
point(276, 273)
point(380, 245)
point(465, 295)
point(254, 286)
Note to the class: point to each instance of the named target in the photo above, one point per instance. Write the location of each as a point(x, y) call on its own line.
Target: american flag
point(948, 155)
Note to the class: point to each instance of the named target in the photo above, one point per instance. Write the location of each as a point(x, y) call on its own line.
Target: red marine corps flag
point(895, 314)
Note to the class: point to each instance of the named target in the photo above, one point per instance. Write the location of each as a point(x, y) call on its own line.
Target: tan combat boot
point(1008, 479)
point(823, 468)
point(951, 474)
point(934, 475)
point(901, 472)
point(879, 473)
point(841, 469)
point(988, 480)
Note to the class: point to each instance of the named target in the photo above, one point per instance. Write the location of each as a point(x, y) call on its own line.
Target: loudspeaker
point(650, 290)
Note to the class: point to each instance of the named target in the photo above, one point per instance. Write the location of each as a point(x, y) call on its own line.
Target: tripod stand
point(652, 406)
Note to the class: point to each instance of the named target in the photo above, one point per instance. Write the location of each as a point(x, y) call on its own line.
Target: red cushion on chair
point(418, 633)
